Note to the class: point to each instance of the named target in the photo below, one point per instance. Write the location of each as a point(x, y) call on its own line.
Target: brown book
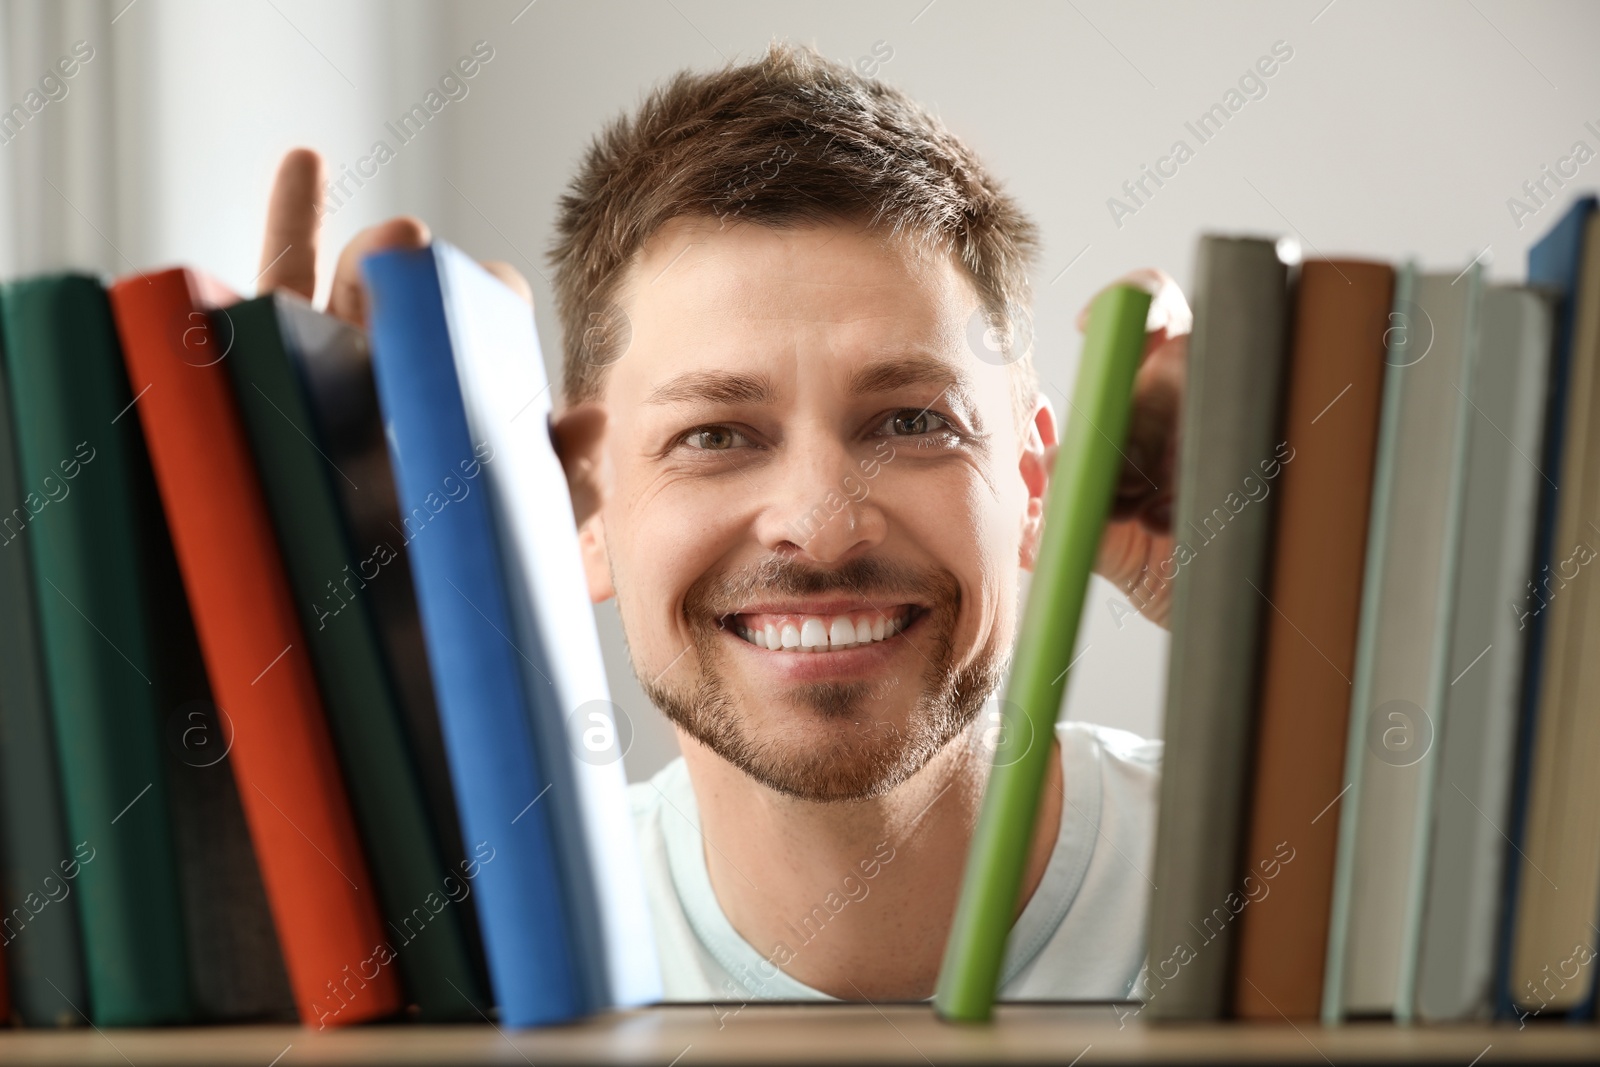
point(1342, 315)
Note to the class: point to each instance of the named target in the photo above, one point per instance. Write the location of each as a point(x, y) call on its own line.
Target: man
point(808, 456)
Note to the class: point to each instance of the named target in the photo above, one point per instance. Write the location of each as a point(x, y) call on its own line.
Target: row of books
point(293, 645)
point(1383, 705)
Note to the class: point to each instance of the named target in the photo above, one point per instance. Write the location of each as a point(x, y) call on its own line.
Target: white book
point(506, 394)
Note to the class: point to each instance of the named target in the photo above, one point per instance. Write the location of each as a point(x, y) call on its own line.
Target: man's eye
point(715, 439)
point(912, 422)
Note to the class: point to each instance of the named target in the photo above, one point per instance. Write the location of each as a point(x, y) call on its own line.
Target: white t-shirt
point(1080, 937)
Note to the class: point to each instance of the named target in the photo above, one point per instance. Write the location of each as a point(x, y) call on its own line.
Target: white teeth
point(842, 633)
point(822, 634)
point(813, 634)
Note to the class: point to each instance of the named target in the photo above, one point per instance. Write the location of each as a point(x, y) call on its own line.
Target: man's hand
point(1136, 552)
point(289, 251)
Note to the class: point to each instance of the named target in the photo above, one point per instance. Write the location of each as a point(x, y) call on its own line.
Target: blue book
point(1555, 264)
point(511, 640)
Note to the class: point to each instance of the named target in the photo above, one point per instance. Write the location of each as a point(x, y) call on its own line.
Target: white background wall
point(1394, 131)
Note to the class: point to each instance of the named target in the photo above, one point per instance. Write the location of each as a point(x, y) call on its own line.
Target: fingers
point(1169, 311)
point(289, 249)
point(1148, 482)
point(348, 298)
point(1146, 487)
point(512, 278)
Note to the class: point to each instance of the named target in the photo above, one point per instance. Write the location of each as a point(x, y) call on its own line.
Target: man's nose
point(821, 504)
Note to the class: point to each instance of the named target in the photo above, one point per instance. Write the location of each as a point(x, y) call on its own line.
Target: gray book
point(1466, 861)
point(1397, 704)
point(1222, 530)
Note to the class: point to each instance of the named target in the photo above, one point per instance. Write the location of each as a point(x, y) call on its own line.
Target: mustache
point(869, 577)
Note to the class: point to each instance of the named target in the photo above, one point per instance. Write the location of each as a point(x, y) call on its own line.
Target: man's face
point(816, 512)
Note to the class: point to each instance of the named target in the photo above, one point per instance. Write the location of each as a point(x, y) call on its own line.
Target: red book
point(323, 899)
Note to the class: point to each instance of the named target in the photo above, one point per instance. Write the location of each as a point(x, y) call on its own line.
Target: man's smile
point(820, 627)
point(801, 647)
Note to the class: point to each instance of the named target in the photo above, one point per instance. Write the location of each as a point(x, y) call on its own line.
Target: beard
point(854, 759)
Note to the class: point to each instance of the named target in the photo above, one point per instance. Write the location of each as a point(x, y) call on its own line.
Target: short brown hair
point(792, 138)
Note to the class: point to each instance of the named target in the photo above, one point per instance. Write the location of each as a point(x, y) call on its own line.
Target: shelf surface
point(689, 1035)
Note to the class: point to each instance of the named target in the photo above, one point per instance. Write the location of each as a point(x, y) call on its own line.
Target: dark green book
point(343, 399)
point(328, 579)
point(1082, 483)
point(235, 965)
point(38, 867)
point(77, 456)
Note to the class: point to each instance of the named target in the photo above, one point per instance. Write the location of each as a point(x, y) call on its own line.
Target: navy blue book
point(1555, 264)
point(494, 555)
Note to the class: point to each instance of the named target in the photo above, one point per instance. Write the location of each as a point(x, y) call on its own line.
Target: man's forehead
point(838, 270)
point(733, 307)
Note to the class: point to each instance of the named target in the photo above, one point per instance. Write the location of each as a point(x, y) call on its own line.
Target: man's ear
point(1036, 462)
point(578, 434)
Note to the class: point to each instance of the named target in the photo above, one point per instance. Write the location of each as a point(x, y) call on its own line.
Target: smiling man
point(808, 454)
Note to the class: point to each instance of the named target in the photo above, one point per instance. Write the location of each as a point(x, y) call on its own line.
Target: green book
point(1079, 501)
point(39, 927)
point(78, 453)
point(428, 928)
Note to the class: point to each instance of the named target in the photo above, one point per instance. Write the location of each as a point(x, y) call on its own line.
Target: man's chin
point(824, 742)
point(839, 761)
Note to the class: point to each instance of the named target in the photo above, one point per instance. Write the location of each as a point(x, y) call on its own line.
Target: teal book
point(420, 893)
point(1077, 506)
point(38, 867)
point(77, 460)
point(1399, 691)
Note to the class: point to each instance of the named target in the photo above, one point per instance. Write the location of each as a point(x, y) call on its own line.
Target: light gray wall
point(1393, 131)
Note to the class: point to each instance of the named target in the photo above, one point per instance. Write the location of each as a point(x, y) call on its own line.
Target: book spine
point(575, 730)
point(38, 919)
point(1079, 502)
point(467, 618)
point(1222, 531)
point(1553, 262)
point(1308, 654)
point(92, 600)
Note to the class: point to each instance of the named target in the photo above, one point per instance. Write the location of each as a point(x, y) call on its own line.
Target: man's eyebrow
point(713, 387)
point(886, 375)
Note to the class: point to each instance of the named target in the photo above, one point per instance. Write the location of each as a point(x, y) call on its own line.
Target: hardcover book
point(93, 602)
point(1222, 526)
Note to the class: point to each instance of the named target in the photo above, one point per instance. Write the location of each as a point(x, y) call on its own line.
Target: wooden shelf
point(689, 1035)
